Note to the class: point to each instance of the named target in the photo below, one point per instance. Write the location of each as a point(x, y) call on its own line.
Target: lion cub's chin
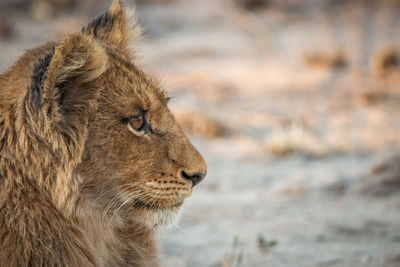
point(154, 218)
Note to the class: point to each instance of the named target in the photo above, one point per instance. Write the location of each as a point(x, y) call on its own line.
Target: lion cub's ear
point(63, 77)
point(116, 27)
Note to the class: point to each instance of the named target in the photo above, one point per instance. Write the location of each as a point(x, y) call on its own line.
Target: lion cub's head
point(135, 159)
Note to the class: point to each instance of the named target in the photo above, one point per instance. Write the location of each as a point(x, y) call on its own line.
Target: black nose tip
point(195, 178)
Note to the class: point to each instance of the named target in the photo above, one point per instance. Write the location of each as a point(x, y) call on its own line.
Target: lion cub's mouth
point(142, 205)
point(159, 208)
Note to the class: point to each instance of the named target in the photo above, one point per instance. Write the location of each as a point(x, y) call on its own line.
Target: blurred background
point(294, 104)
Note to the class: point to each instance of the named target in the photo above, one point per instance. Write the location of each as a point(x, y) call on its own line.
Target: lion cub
point(91, 159)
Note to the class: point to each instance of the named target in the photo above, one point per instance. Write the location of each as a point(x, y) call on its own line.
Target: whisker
point(113, 188)
point(126, 201)
point(135, 194)
point(117, 196)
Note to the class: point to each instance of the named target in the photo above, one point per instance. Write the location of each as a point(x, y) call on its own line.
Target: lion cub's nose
point(195, 178)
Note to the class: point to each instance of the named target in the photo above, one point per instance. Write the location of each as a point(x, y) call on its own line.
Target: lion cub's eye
point(137, 122)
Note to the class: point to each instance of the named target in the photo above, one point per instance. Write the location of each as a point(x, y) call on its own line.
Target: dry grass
point(385, 61)
point(334, 58)
point(299, 138)
point(371, 97)
point(288, 140)
point(235, 257)
point(201, 125)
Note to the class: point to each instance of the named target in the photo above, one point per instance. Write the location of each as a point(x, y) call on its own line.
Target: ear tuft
point(116, 7)
point(116, 27)
point(38, 77)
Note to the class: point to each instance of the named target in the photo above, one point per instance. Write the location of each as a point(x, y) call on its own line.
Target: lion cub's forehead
point(132, 86)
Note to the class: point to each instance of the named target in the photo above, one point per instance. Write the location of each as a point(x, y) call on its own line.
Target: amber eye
point(137, 122)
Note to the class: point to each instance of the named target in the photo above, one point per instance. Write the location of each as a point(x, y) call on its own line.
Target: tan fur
point(78, 186)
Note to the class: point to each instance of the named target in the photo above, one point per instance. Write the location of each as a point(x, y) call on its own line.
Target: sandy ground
point(296, 113)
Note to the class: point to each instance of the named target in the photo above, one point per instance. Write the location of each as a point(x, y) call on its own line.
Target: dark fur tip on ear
point(38, 77)
point(116, 27)
point(97, 25)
